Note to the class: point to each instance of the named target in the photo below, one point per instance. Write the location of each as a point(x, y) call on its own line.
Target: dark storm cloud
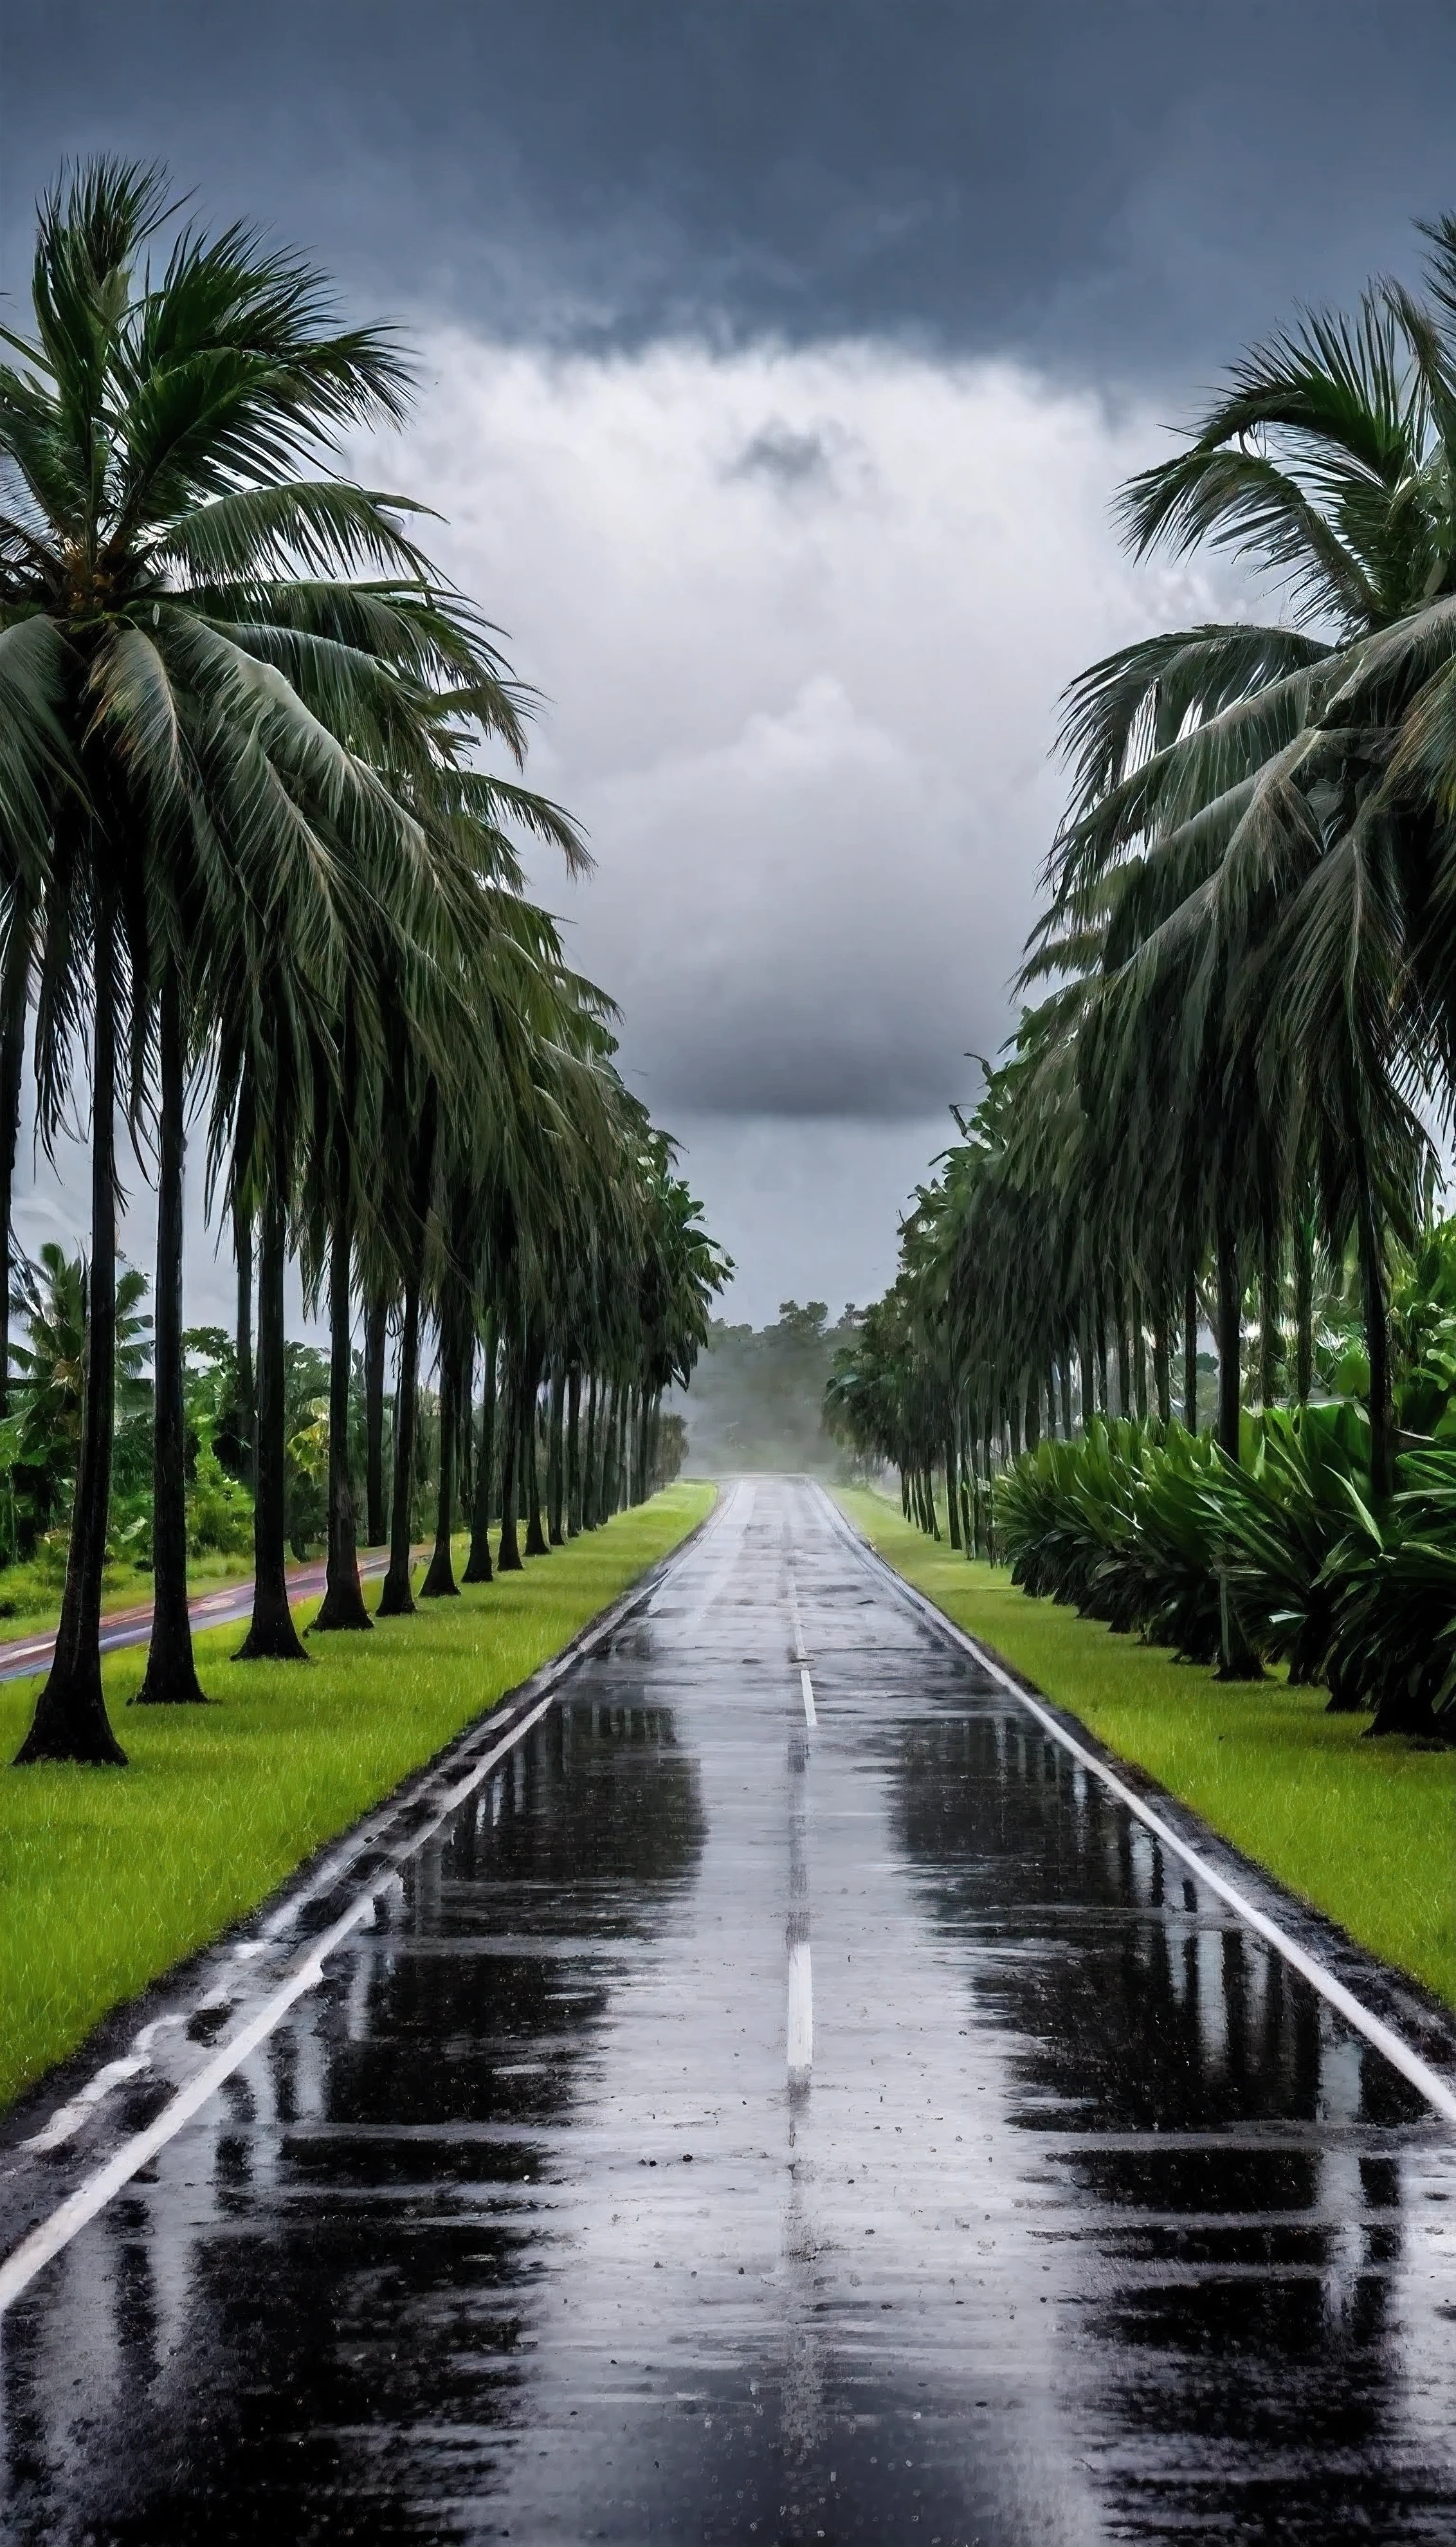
point(1123, 187)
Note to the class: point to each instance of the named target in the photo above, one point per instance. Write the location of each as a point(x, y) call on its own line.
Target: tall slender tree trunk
point(1124, 1359)
point(1191, 1352)
point(1085, 1358)
point(170, 1678)
point(1230, 1307)
point(536, 1539)
point(1103, 1399)
point(70, 1722)
point(396, 1596)
point(14, 1002)
point(1304, 1304)
point(272, 1637)
point(479, 1568)
point(555, 1480)
point(509, 1559)
point(989, 1474)
point(607, 1426)
point(1063, 1372)
point(1377, 1337)
point(573, 1451)
point(618, 1445)
point(952, 1487)
point(375, 1324)
point(589, 1512)
point(247, 1408)
point(1032, 1431)
point(1140, 1360)
point(343, 1597)
point(1162, 1379)
point(1271, 1341)
point(440, 1583)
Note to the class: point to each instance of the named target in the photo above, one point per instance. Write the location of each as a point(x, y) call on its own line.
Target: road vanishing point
point(776, 2090)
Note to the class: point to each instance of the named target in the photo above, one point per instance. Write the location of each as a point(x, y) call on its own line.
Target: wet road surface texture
point(738, 2128)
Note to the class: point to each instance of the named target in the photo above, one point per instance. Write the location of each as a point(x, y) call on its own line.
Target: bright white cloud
point(801, 619)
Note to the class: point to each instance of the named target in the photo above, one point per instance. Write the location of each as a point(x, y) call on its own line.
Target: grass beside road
point(110, 1876)
point(1364, 1831)
point(30, 1594)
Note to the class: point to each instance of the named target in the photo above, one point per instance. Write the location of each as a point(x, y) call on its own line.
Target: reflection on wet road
point(771, 2113)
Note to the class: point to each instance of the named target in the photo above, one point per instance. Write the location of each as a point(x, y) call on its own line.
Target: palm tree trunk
point(952, 1488)
point(1377, 1336)
point(531, 1465)
point(376, 1319)
point(396, 1598)
point(1190, 1354)
point(170, 1678)
point(70, 1722)
point(1101, 1347)
point(1161, 1380)
point(1271, 1343)
point(479, 1568)
point(1084, 1359)
point(14, 996)
point(440, 1583)
point(1064, 1373)
point(1033, 1431)
point(272, 1635)
point(607, 1426)
point(589, 1463)
point(1229, 1309)
point(556, 1480)
point(1124, 1359)
point(536, 1539)
point(343, 1597)
point(509, 1559)
point(1140, 1360)
point(1304, 1304)
point(573, 1451)
point(246, 1382)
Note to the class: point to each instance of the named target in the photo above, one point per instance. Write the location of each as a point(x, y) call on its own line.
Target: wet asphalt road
point(1077, 2216)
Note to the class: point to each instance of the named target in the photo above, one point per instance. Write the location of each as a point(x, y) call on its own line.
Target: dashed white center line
point(801, 2010)
point(807, 1685)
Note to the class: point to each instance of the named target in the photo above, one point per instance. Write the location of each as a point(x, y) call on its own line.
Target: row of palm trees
point(255, 874)
point(1243, 979)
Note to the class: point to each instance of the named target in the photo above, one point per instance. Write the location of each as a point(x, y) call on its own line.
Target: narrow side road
point(21, 1656)
point(789, 2099)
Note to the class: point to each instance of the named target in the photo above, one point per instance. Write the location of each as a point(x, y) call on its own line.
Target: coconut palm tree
point(158, 552)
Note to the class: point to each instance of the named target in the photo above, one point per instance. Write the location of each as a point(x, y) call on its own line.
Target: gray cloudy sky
point(778, 359)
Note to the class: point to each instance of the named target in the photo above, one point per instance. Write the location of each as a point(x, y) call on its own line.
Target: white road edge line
point(18, 2268)
point(1436, 2090)
point(800, 2009)
point(806, 1686)
point(92, 2195)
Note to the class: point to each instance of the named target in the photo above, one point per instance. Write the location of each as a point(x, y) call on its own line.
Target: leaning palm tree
point(204, 684)
point(150, 436)
point(1269, 806)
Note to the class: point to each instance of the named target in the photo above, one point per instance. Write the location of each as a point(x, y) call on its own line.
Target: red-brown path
point(21, 1656)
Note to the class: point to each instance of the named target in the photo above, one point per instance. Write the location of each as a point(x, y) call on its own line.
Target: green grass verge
point(110, 1876)
point(1366, 1831)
